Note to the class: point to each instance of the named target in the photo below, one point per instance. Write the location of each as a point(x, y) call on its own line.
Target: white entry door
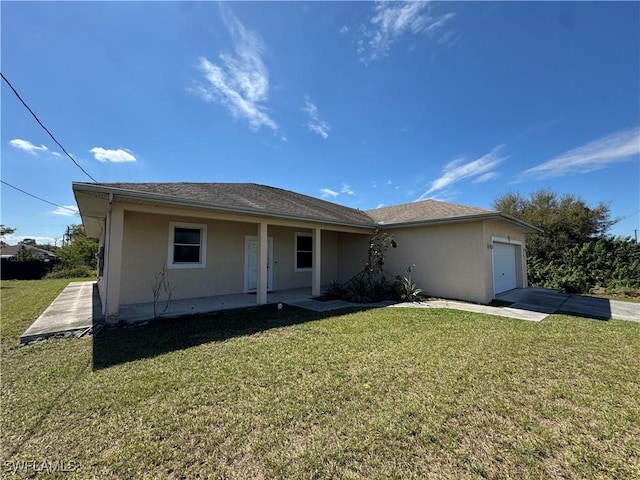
point(251, 263)
point(504, 267)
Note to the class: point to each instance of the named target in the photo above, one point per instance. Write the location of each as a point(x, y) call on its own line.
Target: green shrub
point(605, 262)
point(407, 290)
point(358, 291)
point(72, 272)
point(335, 290)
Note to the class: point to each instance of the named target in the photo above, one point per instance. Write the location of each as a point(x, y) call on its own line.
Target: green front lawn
point(386, 393)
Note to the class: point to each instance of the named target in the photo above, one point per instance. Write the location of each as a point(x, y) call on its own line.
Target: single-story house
point(38, 266)
point(10, 251)
point(228, 238)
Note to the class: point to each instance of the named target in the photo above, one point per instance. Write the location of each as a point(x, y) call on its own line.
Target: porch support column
point(316, 263)
point(261, 293)
point(113, 264)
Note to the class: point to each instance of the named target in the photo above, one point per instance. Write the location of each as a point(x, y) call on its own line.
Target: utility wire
point(38, 198)
point(46, 129)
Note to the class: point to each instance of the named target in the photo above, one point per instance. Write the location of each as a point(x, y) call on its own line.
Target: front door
point(251, 263)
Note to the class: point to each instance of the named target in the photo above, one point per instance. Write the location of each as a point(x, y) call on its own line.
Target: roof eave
point(169, 200)
point(461, 219)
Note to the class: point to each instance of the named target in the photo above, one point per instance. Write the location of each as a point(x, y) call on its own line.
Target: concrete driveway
point(549, 301)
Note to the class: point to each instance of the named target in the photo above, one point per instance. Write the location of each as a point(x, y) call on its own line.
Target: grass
point(625, 294)
point(385, 393)
point(22, 301)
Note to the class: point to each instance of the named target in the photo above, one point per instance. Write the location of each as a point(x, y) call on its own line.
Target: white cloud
point(27, 146)
point(346, 189)
point(115, 156)
point(621, 146)
point(392, 20)
point(56, 154)
point(326, 193)
point(344, 29)
point(16, 239)
point(314, 123)
point(485, 177)
point(239, 82)
point(67, 211)
point(458, 170)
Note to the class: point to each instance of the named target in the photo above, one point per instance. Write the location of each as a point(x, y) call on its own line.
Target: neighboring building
point(226, 238)
point(30, 270)
point(10, 251)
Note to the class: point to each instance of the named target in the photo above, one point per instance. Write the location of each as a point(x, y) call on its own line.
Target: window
point(187, 245)
point(304, 252)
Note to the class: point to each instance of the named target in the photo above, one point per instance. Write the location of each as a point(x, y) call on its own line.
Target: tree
point(28, 241)
point(565, 221)
point(6, 231)
point(573, 251)
point(25, 255)
point(79, 253)
point(77, 258)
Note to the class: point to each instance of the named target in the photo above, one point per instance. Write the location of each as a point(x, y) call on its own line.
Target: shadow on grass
point(127, 344)
point(587, 316)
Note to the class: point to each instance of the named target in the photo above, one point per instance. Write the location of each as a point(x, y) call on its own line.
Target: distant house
point(30, 270)
point(228, 238)
point(10, 251)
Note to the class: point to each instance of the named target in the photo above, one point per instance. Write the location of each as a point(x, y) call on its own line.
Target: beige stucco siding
point(100, 281)
point(145, 250)
point(146, 246)
point(352, 255)
point(284, 274)
point(449, 259)
point(329, 263)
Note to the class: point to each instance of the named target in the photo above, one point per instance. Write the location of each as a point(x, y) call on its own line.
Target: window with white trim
point(304, 252)
point(187, 245)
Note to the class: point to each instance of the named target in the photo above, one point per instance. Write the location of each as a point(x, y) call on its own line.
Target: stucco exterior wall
point(284, 274)
point(453, 260)
point(146, 244)
point(100, 282)
point(450, 260)
point(352, 255)
point(145, 249)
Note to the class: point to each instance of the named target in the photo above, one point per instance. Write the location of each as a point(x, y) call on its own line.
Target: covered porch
point(212, 256)
point(140, 312)
point(298, 297)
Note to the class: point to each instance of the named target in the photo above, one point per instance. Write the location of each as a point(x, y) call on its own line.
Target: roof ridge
point(442, 202)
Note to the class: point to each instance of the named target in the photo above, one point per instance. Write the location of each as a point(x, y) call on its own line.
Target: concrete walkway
point(509, 312)
point(74, 311)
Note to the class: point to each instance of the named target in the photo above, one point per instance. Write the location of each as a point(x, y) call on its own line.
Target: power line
point(45, 128)
point(38, 198)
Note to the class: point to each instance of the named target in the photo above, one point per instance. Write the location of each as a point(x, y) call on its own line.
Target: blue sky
point(364, 104)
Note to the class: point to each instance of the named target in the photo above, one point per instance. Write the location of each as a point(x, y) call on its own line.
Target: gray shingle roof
point(250, 197)
point(12, 250)
point(265, 200)
point(424, 211)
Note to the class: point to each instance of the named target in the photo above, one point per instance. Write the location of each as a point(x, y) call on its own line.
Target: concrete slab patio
point(76, 309)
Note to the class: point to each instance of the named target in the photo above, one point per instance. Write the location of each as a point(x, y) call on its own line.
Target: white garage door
point(504, 267)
